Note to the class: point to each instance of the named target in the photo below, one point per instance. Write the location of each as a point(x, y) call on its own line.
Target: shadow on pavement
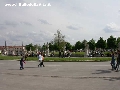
point(112, 78)
point(109, 78)
point(30, 67)
point(102, 71)
point(13, 69)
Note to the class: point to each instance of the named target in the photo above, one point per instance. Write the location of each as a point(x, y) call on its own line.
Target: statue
point(86, 50)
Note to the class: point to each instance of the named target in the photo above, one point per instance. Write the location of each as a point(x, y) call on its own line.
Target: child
point(21, 63)
point(113, 61)
point(42, 60)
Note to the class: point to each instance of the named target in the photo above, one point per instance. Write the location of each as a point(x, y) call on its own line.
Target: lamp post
point(44, 47)
point(47, 49)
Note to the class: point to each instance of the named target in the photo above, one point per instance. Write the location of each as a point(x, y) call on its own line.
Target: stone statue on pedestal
point(86, 50)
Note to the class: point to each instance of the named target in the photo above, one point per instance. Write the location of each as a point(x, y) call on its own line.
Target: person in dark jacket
point(21, 63)
point(118, 61)
point(113, 61)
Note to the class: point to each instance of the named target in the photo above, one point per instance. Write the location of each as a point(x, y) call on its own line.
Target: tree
point(118, 40)
point(44, 47)
point(68, 46)
point(111, 42)
point(51, 46)
point(73, 48)
point(101, 43)
point(78, 45)
point(30, 47)
point(55, 46)
point(59, 40)
point(83, 44)
point(91, 44)
point(36, 47)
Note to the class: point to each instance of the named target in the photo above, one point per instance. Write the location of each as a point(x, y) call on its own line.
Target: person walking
point(113, 61)
point(21, 63)
point(118, 60)
point(40, 59)
point(43, 60)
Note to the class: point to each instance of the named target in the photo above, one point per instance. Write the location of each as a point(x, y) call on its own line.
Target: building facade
point(12, 50)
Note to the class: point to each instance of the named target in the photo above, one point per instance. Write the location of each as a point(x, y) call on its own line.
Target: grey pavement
point(58, 76)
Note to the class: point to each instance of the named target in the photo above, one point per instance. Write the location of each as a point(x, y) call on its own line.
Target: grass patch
point(80, 59)
point(57, 59)
point(9, 57)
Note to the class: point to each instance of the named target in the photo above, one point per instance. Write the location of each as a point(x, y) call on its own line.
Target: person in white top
point(39, 59)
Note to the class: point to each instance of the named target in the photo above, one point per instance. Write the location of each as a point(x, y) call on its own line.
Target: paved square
point(58, 76)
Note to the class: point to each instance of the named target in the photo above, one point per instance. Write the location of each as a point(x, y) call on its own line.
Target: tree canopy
point(59, 43)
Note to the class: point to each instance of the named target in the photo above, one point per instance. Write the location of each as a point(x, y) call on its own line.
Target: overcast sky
point(77, 20)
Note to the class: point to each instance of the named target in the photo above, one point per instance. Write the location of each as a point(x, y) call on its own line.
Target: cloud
point(44, 21)
point(73, 27)
point(40, 37)
point(2, 27)
point(119, 11)
point(26, 23)
point(63, 14)
point(112, 27)
point(11, 23)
